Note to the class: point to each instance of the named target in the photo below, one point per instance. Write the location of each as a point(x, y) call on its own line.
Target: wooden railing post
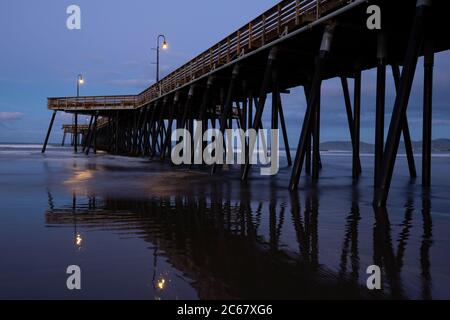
point(250, 35)
point(263, 39)
point(239, 42)
point(279, 19)
point(228, 49)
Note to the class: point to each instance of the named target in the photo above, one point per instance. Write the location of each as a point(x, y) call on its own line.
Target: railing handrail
point(93, 97)
point(92, 102)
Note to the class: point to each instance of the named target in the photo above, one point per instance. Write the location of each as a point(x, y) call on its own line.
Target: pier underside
point(296, 43)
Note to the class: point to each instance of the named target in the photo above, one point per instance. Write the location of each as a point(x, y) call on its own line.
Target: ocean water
point(146, 230)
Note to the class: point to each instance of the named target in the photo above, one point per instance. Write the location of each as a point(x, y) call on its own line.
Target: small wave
point(20, 146)
point(26, 146)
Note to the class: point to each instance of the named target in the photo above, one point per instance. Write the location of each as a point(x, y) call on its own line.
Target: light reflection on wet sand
point(212, 237)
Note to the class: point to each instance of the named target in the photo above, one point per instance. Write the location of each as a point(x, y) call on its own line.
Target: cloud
point(132, 63)
point(10, 116)
point(441, 122)
point(436, 122)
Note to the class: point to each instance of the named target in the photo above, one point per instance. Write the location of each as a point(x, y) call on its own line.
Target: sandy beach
point(147, 232)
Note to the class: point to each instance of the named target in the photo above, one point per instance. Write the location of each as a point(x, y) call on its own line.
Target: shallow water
point(151, 231)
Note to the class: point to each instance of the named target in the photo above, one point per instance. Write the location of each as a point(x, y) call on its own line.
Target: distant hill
point(345, 146)
point(438, 146)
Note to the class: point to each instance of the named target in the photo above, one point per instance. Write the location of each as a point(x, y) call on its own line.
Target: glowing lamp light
point(165, 45)
point(78, 240)
point(161, 284)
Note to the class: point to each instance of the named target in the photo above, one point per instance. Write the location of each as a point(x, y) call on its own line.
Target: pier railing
point(70, 128)
point(281, 19)
point(93, 103)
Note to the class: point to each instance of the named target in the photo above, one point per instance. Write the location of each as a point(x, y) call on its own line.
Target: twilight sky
point(40, 58)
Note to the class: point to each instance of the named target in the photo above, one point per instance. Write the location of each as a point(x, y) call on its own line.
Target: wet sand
point(152, 231)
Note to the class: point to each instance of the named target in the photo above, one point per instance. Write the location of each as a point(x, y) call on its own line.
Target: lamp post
point(164, 46)
point(80, 81)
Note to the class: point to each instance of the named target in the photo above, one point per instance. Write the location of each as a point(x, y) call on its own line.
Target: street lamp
point(164, 46)
point(80, 81)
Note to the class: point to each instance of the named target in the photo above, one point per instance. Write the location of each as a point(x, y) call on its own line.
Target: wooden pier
point(295, 43)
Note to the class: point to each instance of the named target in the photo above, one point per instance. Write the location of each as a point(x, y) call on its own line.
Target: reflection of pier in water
point(218, 242)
